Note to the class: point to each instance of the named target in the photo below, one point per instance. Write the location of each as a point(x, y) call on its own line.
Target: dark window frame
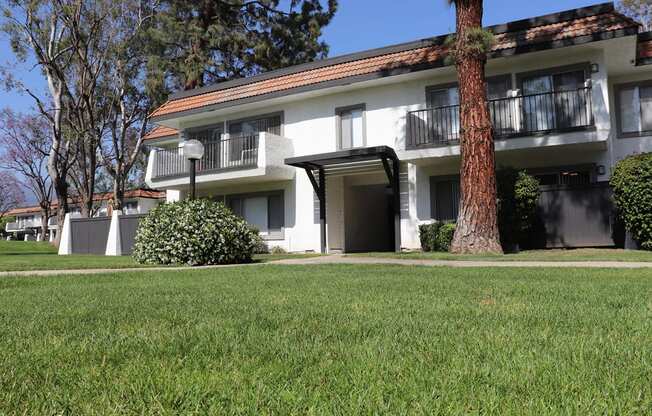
point(438, 87)
point(618, 88)
point(338, 123)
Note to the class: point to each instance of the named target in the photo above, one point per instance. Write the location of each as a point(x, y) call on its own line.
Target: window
point(251, 126)
point(635, 109)
point(581, 176)
point(350, 127)
point(444, 116)
point(444, 197)
point(265, 211)
point(130, 208)
point(555, 100)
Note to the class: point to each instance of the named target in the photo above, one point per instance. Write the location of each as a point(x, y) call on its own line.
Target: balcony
point(526, 115)
point(12, 226)
point(231, 158)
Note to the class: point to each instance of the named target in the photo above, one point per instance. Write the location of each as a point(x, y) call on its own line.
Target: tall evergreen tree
point(477, 222)
point(200, 42)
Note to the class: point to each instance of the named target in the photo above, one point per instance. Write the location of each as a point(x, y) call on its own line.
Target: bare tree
point(132, 89)
point(25, 145)
point(11, 196)
point(36, 29)
point(477, 222)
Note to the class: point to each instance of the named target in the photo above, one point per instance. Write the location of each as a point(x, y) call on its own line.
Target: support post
point(193, 165)
point(114, 241)
point(396, 189)
point(65, 245)
point(322, 209)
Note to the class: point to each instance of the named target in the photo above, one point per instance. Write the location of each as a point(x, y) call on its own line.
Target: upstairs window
point(267, 124)
point(350, 126)
point(635, 109)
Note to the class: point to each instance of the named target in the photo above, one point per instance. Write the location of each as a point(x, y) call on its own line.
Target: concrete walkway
point(340, 259)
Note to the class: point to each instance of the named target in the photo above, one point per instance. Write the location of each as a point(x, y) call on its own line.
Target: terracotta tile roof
point(604, 20)
point(134, 193)
point(159, 132)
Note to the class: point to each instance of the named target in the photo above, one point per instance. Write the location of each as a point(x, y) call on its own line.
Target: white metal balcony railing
point(12, 226)
point(232, 152)
point(524, 115)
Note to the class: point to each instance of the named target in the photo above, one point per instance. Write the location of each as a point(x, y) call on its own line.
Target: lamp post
point(193, 150)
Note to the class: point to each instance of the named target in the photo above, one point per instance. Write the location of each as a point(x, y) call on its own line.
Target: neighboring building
point(308, 153)
point(28, 219)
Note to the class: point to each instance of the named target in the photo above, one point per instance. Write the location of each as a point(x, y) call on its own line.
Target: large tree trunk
point(477, 225)
point(118, 192)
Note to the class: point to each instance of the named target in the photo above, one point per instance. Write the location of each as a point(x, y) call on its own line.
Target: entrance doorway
point(368, 219)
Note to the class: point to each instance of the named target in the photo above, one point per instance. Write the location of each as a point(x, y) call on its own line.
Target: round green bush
point(445, 236)
point(632, 186)
point(194, 232)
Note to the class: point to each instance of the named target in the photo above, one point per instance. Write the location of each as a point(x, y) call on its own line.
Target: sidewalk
point(341, 259)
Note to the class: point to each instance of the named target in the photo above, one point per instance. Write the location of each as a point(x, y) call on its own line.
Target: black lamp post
point(193, 150)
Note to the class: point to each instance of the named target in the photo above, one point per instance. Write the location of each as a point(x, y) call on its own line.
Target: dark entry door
point(368, 220)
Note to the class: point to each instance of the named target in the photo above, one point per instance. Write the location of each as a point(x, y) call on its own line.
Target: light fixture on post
point(193, 150)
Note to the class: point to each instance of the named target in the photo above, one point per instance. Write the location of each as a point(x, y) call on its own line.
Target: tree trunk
point(477, 224)
point(118, 192)
point(61, 189)
point(45, 217)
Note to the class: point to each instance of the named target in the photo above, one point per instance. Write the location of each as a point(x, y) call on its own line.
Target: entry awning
point(345, 161)
point(342, 157)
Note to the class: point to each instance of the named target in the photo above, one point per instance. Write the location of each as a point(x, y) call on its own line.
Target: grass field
point(31, 255)
point(580, 254)
point(329, 339)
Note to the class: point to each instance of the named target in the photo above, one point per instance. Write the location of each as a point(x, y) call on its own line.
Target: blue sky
point(358, 25)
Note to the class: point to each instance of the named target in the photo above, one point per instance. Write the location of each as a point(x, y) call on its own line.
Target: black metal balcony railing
point(236, 152)
point(511, 117)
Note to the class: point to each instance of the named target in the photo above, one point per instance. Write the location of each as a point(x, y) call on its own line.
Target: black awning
point(321, 160)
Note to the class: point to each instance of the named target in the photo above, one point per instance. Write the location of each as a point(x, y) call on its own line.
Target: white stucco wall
point(309, 127)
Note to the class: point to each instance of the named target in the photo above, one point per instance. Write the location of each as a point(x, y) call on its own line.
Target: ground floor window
point(263, 210)
point(444, 197)
point(564, 176)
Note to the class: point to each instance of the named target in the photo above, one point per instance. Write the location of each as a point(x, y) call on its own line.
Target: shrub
point(278, 250)
point(517, 202)
point(445, 236)
point(632, 187)
point(193, 232)
point(436, 236)
point(260, 246)
point(428, 236)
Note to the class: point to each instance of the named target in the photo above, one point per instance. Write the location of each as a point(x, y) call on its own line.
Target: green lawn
point(30, 255)
point(580, 254)
point(329, 339)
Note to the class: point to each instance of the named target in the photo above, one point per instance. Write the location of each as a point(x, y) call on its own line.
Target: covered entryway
point(371, 211)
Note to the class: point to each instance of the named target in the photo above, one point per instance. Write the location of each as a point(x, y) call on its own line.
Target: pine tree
point(201, 42)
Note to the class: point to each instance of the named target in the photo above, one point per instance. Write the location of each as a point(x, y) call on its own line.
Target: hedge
point(632, 186)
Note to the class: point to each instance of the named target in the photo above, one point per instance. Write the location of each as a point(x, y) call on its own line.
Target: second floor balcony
point(226, 158)
point(525, 115)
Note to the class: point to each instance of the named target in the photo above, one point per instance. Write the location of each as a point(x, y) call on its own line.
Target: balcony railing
point(12, 226)
point(511, 117)
point(234, 152)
